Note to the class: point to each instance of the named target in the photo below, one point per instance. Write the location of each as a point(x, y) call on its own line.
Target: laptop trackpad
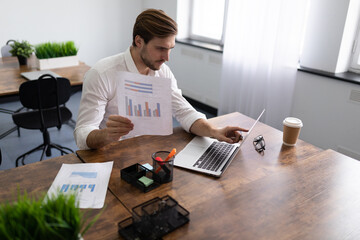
point(193, 151)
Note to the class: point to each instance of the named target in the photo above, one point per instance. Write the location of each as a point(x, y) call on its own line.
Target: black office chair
point(45, 98)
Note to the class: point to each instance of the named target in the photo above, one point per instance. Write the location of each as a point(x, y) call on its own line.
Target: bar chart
point(145, 108)
point(140, 110)
point(146, 101)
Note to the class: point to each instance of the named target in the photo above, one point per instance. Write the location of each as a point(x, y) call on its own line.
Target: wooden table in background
point(10, 78)
point(36, 179)
point(299, 192)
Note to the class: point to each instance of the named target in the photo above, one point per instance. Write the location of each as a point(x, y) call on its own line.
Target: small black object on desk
point(259, 144)
point(135, 175)
point(154, 219)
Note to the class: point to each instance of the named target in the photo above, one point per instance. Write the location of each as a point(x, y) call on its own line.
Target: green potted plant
point(22, 50)
point(54, 218)
point(54, 55)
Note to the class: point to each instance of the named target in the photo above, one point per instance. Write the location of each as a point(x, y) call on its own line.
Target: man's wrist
point(213, 131)
point(97, 139)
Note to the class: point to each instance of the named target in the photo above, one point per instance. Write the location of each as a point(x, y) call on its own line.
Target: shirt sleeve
point(184, 113)
point(92, 107)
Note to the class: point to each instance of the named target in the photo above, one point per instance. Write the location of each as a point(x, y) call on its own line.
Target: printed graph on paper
point(89, 181)
point(146, 101)
point(140, 109)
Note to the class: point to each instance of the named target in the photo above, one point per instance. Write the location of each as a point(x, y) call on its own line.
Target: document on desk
point(146, 101)
point(89, 181)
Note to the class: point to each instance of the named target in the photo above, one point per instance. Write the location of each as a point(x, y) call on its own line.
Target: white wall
point(99, 28)
point(330, 117)
point(168, 6)
point(198, 73)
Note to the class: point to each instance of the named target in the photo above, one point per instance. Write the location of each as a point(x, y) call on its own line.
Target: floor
point(13, 146)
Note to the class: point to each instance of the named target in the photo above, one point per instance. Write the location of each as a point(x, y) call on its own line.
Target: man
point(98, 121)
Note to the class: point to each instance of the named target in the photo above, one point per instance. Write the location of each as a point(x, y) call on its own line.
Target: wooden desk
point(299, 192)
point(36, 179)
point(10, 78)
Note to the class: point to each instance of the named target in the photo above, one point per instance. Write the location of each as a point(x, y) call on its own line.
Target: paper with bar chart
point(146, 101)
point(89, 181)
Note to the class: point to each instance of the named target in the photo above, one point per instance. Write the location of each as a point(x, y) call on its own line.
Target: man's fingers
point(237, 137)
point(116, 121)
point(227, 137)
point(115, 124)
point(119, 130)
point(115, 133)
point(232, 134)
point(237, 129)
point(118, 126)
point(228, 140)
point(118, 118)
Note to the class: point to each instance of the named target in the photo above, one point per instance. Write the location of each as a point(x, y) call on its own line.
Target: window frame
point(355, 54)
point(204, 39)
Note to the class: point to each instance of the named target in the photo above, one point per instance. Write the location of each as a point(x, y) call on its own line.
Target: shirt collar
point(130, 64)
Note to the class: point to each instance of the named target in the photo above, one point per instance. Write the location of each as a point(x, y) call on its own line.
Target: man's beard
point(148, 63)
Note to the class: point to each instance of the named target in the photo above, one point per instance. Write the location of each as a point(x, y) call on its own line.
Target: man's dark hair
point(153, 23)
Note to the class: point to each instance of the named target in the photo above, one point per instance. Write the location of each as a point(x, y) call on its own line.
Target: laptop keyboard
point(214, 156)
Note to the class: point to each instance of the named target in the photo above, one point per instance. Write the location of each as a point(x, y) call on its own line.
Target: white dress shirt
point(98, 100)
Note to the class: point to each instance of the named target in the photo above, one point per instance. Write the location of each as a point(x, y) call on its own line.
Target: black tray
point(133, 173)
point(154, 219)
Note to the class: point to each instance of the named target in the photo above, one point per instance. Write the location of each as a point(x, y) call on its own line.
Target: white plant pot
point(57, 62)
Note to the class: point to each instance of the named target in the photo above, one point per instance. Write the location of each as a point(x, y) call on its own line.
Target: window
point(202, 23)
point(207, 20)
point(355, 57)
point(332, 46)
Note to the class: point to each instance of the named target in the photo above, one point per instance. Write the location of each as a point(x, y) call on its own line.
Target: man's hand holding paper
point(118, 126)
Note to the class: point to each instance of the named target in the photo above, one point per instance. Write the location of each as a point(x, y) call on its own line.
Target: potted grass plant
point(22, 50)
point(54, 218)
point(55, 55)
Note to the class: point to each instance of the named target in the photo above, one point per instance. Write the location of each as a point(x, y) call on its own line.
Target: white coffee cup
point(292, 127)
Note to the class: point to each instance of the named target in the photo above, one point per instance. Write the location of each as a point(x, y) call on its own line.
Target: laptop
point(36, 74)
point(208, 155)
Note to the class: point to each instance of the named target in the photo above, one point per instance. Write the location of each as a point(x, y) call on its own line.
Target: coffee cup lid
point(293, 122)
